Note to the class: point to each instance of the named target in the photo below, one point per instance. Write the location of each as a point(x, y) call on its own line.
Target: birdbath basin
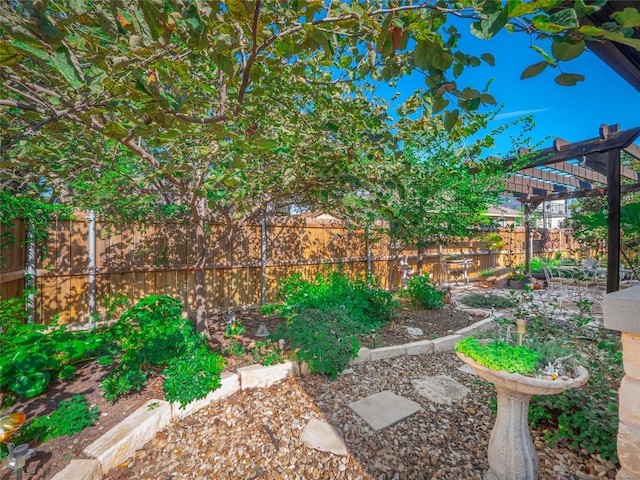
point(512, 455)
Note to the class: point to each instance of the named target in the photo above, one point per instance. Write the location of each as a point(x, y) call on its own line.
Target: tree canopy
point(235, 109)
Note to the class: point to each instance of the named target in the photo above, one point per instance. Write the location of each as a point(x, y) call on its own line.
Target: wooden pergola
point(577, 170)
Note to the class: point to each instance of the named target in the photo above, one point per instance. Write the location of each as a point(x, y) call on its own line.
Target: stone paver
point(440, 389)
point(324, 437)
point(383, 409)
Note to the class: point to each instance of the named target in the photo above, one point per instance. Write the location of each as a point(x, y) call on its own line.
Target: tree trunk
point(420, 262)
point(200, 284)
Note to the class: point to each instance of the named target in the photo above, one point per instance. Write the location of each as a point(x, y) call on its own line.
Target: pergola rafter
point(577, 170)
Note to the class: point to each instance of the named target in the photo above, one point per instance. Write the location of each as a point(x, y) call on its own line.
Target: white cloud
point(519, 113)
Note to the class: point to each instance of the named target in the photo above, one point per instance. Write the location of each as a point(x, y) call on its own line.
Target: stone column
point(622, 313)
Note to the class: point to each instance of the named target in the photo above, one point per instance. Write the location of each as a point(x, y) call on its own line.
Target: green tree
point(230, 110)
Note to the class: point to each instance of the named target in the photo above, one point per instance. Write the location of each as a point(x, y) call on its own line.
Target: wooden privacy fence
point(133, 261)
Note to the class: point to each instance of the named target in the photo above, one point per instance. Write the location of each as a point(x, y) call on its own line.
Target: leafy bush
point(152, 336)
point(480, 300)
point(69, 418)
point(366, 304)
point(424, 293)
point(324, 339)
point(32, 355)
point(487, 272)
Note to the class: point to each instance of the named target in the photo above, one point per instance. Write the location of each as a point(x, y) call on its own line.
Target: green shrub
point(485, 300)
point(69, 418)
point(324, 339)
point(32, 355)
point(487, 272)
point(365, 303)
point(153, 336)
point(424, 293)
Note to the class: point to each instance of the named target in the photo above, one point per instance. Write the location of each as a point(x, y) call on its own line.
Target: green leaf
point(421, 54)
point(548, 58)
point(29, 362)
point(8, 54)
point(439, 103)
point(569, 79)
point(67, 372)
point(620, 38)
point(563, 20)
point(105, 360)
point(488, 99)
point(441, 59)
point(115, 130)
point(450, 119)
point(321, 39)
point(533, 70)
point(564, 49)
point(490, 25)
point(29, 51)
point(487, 57)
point(73, 349)
point(30, 385)
point(629, 17)
point(518, 8)
point(62, 62)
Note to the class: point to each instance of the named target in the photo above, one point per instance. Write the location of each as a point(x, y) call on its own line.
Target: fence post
point(368, 251)
point(30, 271)
point(91, 267)
point(263, 273)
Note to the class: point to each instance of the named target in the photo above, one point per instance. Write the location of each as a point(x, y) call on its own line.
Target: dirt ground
point(54, 455)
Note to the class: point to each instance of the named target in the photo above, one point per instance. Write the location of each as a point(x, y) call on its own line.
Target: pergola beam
point(596, 192)
point(561, 151)
point(599, 163)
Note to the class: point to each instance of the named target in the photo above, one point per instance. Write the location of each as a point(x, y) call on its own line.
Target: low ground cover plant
point(69, 418)
point(423, 292)
point(486, 300)
point(153, 337)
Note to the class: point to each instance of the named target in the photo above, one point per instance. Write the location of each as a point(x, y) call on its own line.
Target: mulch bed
point(54, 455)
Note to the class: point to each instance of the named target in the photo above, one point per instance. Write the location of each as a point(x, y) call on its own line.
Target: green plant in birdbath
point(499, 355)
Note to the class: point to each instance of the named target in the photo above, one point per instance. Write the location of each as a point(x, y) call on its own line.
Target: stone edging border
point(121, 442)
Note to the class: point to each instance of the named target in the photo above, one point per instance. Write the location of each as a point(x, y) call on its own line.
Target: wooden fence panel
point(135, 262)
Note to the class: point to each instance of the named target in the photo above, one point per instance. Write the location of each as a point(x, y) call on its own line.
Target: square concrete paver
point(383, 409)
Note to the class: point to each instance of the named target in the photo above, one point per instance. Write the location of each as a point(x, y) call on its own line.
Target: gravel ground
point(255, 434)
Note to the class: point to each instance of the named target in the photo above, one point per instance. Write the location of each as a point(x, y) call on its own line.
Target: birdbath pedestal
point(512, 455)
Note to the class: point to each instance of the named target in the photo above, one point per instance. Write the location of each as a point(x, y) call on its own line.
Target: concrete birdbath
point(512, 455)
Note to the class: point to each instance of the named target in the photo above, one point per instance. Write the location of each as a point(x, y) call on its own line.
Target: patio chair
point(554, 282)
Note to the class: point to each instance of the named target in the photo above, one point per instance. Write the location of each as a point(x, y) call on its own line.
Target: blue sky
point(572, 113)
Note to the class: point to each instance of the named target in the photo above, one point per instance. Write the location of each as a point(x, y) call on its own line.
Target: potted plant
point(517, 374)
point(517, 279)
